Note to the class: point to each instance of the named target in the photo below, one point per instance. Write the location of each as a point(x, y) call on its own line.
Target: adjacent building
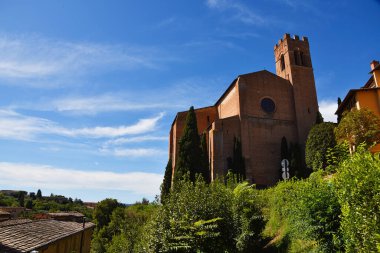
point(259, 108)
point(45, 236)
point(367, 97)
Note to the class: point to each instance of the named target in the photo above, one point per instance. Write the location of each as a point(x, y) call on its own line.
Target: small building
point(67, 216)
point(45, 236)
point(14, 211)
point(367, 97)
point(4, 216)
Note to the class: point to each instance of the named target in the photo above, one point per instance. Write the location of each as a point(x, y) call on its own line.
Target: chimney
point(374, 64)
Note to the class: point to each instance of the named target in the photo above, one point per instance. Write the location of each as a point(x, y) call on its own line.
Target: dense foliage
point(39, 204)
point(336, 212)
point(358, 126)
point(199, 217)
point(336, 209)
point(167, 182)
point(123, 232)
point(358, 188)
point(303, 215)
point(321, 137)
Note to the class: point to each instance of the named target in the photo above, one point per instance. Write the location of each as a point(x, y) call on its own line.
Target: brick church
point(259, 108)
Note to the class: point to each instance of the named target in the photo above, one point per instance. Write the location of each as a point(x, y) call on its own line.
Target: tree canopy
point(189, 152)
point(321, 137)
point(167, 182)
point(358, 126)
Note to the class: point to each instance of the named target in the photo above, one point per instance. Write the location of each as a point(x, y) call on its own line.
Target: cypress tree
point(319, 118)
point(284, 152)
point(236, 164)
point(39, 194)
point(339, 101)
point(284, 148)
point(205, 163)
point(167, 182)
point(189, 152)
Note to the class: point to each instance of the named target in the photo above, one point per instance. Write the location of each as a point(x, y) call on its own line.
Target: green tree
point(319, 118)
point(284, 153)
point(201, 217)
point(189, 152)
point(21, 198)
point(304, 215)
point(29, 204)
point(238, 160)
point(167, 182)
point(296, 167)
point(358, 126)
point(103, 212)
point(205, 159)
point(321, 137)
point(358, 191)
point(39, 194)
point(284, 148)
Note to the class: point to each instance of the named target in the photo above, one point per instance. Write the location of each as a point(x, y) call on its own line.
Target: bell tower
point(293, 62)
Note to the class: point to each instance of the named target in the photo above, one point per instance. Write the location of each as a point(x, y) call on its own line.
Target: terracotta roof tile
point(26, 235)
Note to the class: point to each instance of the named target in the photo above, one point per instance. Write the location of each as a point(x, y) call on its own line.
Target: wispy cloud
point(42, 62)
point(134, 152)
point(104, 103)
point(137, 139)
point(20, 127)
point(240, 11)
point(43, 176)
point(328, 108)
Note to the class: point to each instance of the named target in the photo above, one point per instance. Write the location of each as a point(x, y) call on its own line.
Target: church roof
point(185, 112)
point(252, 74)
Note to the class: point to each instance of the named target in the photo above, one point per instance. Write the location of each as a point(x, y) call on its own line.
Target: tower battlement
point(288, 37)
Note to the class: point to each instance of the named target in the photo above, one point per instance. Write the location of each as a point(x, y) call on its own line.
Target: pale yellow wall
point(376, 77)
point(70, 244)
point(369, 99)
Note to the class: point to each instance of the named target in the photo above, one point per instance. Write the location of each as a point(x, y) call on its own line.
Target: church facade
point(259, 109)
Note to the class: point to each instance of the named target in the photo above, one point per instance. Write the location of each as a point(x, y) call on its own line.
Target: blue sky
point(89, 89)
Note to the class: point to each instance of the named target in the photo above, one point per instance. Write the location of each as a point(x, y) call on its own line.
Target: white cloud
point(21, 176)
point(102, 103)
point(328, 108)
point(134, 152)
point(20, 127)
point(137, 139)
point(45, 62)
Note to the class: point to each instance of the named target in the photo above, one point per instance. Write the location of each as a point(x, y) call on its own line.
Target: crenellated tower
point(293, 62)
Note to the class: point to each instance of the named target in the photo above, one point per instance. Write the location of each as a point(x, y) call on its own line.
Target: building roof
point(23, 235)
point(67, 214)
point(185, 112)
point(376, 68)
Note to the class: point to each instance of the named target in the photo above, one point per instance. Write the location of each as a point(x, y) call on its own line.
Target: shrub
point(321, 137)
point(358, 183)
point(304, 215)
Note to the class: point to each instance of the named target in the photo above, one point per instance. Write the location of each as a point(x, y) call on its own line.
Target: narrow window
point(296, 57)
point(282, 63)
point(208, 119)
point(302, 62)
